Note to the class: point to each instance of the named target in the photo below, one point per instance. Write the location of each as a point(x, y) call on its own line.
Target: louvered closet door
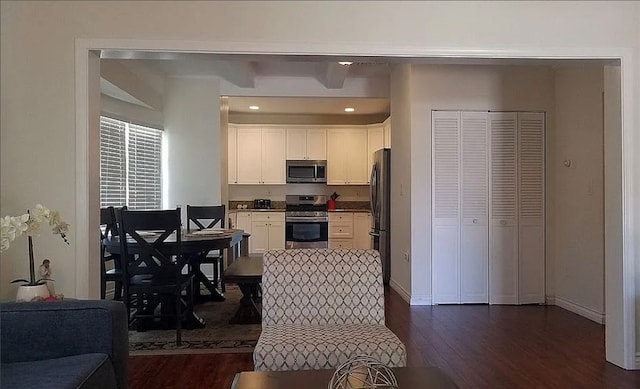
point(503, 228)
point(445, 211)
point(474, 234)
point(531, 208)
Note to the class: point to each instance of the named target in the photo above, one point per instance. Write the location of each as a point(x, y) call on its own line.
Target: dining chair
point(151, 244)
point(207, 216)
point(109, 229)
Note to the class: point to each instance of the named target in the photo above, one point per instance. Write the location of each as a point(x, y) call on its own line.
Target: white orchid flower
point(13, 226)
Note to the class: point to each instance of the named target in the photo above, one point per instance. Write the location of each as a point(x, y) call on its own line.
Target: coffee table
point(408, 377)
point(247, 273)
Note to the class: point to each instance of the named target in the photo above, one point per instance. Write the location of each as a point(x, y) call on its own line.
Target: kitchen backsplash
point(281, 204)
point(279, 192)
point(249, 204)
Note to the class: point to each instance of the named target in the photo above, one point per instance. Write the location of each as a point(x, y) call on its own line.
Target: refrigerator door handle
point(373, 233)
point(373, 189)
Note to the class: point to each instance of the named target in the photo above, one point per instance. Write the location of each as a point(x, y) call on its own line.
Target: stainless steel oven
point(307, 222)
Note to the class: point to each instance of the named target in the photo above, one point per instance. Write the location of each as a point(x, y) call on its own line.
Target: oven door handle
point(304, 219)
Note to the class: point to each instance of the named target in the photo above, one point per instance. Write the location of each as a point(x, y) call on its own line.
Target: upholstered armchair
point(321, 307)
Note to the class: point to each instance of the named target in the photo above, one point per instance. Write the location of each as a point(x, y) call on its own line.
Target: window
point(130, 165)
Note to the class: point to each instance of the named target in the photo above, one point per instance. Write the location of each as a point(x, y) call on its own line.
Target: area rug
point(218, 336)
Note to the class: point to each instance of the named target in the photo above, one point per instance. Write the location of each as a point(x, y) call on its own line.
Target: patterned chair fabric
point(321, 307)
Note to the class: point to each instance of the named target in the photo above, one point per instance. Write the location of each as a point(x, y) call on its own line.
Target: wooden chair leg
point(117, 292)
point(220, 264)
point(179, 317)
point(103, 286)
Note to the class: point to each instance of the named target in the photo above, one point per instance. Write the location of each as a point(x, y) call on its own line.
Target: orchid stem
point(32, 272)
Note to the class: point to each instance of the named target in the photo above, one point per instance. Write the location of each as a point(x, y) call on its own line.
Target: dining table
point(233, 242)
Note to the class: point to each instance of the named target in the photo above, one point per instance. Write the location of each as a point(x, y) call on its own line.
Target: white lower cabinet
point(349, 230)
point(361, 228)
point(267, 231)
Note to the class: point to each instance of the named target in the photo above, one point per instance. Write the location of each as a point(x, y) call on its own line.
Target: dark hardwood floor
point(478, 346)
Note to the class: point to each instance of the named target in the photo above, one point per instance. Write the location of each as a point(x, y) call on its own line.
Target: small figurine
point(45, 274)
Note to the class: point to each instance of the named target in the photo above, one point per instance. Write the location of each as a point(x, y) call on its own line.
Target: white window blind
point(130, 165)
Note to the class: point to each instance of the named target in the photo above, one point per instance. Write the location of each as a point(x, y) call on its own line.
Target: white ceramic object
point(28, 293)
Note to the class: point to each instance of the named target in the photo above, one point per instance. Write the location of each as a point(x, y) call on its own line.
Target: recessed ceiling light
point(254, 107)
point(349, 109)
point(345, 63)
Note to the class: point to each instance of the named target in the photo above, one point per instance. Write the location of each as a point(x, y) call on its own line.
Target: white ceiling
point(309, 105)
point(245, 72)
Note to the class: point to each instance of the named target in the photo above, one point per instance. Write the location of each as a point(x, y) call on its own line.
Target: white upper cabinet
point(273, 151)
point(308, 144)
point(260, 155)
point(249, 156)
point(347, 162)
point(296, 143)
point(386, 126)
point(375, 142)
point(232, 156)
point(317, 144)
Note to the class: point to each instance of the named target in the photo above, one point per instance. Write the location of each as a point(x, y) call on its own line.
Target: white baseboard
point(421, 300)
point(581, 310)
point(406, 296)
point(401, 291)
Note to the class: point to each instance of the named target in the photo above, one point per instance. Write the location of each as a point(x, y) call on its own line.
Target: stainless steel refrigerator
point(380, 196)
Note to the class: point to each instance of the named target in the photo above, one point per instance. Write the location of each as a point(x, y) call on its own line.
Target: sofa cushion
point(78, 371)
point(306, 347)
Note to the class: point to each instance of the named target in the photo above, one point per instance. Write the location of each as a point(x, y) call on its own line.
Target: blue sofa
point(64, 344)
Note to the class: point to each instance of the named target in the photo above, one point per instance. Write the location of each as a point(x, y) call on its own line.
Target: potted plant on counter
point(12, 227)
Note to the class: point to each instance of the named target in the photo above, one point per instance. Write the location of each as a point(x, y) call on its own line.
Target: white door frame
point(87, 144)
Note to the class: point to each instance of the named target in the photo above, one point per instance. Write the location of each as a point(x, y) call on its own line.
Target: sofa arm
point(53, 329)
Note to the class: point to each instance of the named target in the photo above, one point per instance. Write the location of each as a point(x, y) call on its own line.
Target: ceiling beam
point(118, 75)
point(334, 75)
point(240, 73)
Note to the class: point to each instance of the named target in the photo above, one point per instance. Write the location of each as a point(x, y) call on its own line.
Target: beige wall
point(579, 189)
point(401, 196)
point(37, 72)
point(439, 87)
point(192, 134)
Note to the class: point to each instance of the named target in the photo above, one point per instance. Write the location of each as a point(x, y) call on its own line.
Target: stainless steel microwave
point(299, 171)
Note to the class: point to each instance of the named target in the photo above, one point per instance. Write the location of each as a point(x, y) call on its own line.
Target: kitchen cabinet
point(232, 157)
point(339, 243)
point(350, 230)
point(375, 137)
point(260, 155)
point(347, 162)
point(232, 220)
point(309, 144)
point(243, 222)
point(361, 228)
point(386, 129)
point(267, 231)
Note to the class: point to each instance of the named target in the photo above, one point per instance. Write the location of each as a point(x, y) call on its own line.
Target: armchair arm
point(52, 329)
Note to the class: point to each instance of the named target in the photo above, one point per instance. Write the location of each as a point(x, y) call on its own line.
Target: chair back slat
point(149, 254)
point(205, 216)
